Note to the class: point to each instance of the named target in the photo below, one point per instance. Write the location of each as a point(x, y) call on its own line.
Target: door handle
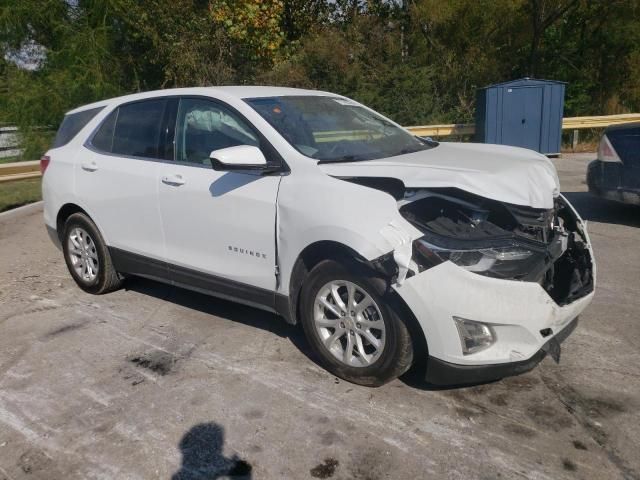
point(175, 180)
point(91, 166)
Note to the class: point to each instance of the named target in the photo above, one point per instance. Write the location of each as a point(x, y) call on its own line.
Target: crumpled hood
point(507, 174)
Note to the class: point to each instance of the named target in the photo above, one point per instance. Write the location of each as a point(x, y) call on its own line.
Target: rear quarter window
point(103, 139)
point(72, 124)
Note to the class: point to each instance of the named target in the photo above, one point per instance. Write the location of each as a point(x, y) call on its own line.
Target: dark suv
point(615, 175)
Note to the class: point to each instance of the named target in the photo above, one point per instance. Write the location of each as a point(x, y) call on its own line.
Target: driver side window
point(204, 126)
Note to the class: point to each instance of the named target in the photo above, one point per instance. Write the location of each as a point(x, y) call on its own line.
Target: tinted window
point(626, 142)
point(204, 126)
point(103, 139)
point(137, 129)
point(72, 124)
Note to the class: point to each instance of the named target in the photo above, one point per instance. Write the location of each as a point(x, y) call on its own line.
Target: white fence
point(9, 146)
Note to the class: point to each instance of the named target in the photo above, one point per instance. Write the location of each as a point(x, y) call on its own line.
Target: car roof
point(238, 92)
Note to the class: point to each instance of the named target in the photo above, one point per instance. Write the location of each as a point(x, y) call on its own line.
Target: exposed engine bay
point(501, 240)
point(493, 238)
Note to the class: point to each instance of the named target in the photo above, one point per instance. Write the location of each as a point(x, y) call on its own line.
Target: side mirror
point(241, 157)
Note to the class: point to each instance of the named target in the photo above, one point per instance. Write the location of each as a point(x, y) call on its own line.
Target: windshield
point(332, 129)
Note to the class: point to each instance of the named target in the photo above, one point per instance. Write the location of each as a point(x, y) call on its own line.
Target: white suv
point(387, 248)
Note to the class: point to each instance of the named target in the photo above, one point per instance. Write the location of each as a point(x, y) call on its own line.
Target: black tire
point(107, 279)
point(397, 355)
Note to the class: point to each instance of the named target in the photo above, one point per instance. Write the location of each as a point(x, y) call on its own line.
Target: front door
point(219, 226)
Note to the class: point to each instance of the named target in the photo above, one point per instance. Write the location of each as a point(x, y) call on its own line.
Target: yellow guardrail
point(443, 130)
point(10, 172)
point(568, 123)
point(574, 123)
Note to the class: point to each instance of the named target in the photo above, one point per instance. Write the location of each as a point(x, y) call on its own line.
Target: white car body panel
point(234, 234)
point(336, 215)
point(199, 223)
point(111, 190)
point(516, 310)
point(507, 174)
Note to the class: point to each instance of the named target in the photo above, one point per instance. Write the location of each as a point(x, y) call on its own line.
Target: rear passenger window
point(132, 130)
point(72, 124)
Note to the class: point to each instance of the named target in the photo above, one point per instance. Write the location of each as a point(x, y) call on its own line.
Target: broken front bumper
point(522, 315)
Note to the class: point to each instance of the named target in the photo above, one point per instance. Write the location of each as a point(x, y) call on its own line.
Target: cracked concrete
point(157, 382)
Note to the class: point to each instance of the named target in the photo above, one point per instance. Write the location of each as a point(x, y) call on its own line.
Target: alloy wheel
point(349, 323)
point(83, 254)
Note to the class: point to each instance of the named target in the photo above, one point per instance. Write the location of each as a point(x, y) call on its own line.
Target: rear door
point(219, 226)
point(116, 179)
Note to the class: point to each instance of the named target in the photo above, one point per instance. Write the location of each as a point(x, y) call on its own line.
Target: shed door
point(522, 117)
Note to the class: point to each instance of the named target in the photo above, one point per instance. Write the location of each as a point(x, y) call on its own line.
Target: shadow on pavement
point(257, 318)
point(414, 378)
point(202, 456)
point(235, 312)
point(596, 209)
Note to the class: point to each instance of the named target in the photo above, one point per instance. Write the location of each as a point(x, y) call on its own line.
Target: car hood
point(507, 174)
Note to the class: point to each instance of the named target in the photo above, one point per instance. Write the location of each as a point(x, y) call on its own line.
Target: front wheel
point(353, 325)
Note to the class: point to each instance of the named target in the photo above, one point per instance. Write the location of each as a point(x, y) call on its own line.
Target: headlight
point(513, 261)
point(474, 336)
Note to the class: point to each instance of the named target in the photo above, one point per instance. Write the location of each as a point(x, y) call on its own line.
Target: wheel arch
point(64, 213)
point(308, 258)
point(332, 250)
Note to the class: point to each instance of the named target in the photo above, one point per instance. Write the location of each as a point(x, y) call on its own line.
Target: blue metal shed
point(523, 113)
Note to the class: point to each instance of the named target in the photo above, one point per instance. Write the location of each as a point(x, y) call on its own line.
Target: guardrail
point(568, 123)
point(10, 172)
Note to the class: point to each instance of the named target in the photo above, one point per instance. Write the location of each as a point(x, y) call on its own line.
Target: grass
point(21, 192)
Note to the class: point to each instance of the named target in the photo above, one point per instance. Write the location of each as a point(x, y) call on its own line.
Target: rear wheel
point(87, 256)
point(353, 325)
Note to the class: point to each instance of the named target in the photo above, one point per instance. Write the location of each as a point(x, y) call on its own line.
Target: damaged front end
point(500, 240)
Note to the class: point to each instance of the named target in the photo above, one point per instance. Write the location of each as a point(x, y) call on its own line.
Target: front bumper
point(525, 319)
point(519, 312)
point(607, 180)
point(440, 372)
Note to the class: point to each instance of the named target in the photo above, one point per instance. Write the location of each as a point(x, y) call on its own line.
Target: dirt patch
point(500, 399)
point(325, 469)
point(253, 414)
point(522, 382)
point(519, 430)
point(34, 461)
point(548, 417)
point(594, 407)
point(157, 361)
point(66, 329)
point(569, 465)
point(589, 411)
point(329, 438)
point(578, 445)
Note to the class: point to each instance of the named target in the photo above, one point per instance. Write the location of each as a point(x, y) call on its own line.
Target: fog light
point(474, 336)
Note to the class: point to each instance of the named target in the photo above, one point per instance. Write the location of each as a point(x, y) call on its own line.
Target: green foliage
point(418, 61)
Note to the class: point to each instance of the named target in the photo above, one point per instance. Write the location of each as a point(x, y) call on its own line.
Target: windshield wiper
point(345, 159)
